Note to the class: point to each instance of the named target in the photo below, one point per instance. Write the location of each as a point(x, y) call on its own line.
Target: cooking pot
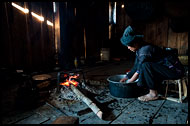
point(42, 80)
point(122, 89)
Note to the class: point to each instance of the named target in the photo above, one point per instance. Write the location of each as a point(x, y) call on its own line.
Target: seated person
point(152, 64)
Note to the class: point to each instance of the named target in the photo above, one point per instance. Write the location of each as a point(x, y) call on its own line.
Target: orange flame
point(68, 82)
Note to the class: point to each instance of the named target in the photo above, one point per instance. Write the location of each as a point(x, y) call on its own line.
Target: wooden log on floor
point(66, 120)
point(89, 102)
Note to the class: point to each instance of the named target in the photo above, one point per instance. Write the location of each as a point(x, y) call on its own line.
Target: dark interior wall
point(91, 20)
point(26, 42)
point(93, 17)
point(96, 28)
point(29, 43)
point(163, 23)
point(122, 21)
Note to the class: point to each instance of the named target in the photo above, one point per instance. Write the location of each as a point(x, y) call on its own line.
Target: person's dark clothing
point(154, 65)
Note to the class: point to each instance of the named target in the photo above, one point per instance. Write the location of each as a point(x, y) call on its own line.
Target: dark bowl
point(121, 89)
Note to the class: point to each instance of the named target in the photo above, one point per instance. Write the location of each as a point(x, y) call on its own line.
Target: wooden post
point(180, 93)
point(89, 102)
point(184, 82)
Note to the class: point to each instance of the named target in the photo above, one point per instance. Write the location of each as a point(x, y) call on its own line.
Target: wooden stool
point(181, 83)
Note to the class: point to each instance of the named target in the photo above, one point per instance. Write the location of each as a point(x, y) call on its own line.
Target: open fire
point(70, 80)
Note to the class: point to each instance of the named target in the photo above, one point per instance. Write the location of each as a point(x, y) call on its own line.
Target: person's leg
point(152, 75)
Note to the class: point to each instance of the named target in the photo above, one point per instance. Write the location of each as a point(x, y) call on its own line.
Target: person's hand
point(129, 81)
point(123, 79)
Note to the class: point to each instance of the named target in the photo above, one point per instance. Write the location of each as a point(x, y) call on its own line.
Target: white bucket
point(105, 54)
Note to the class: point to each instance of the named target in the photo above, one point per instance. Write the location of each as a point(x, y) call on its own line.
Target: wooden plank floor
point(116, 110)
point(122, 111)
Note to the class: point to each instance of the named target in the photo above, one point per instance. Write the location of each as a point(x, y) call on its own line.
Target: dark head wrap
point(128, 36)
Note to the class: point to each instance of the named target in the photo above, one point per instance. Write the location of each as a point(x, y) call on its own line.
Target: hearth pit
point(63, 85)
point(67, 83)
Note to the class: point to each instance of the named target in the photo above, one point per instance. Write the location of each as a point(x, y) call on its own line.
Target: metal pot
point(121, 89)
point(42, 80)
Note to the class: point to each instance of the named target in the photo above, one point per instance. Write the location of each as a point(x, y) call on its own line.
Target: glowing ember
point(69, 81)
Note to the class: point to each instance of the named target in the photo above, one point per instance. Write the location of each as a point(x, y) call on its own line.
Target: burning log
point(89, 102)
point(70, 81)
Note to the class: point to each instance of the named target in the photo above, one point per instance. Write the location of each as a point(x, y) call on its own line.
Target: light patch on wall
point(110, 10)
point(122, 6)
point(75, 11)
point(54, 7)
point(49, 23)
point(110, 28)
point(114, 13)
point(25, 10)
point(37, 16)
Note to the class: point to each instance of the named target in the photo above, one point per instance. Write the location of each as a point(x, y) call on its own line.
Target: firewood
point(86, 100)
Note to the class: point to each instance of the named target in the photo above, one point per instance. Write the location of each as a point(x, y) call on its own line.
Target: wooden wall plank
point(151, 33)
point(183, 47)
point(162, 28)
point(179, 41)
point(172, 39)
point(27, 43)
point(158, 32)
